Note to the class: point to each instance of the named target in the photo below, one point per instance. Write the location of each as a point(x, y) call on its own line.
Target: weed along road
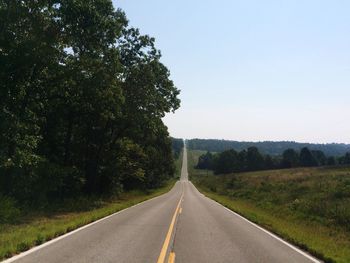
point(180, 226)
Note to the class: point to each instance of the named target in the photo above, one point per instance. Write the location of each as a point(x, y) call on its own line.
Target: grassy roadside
point(264, 198)
point(178, 165)
point(15, 238)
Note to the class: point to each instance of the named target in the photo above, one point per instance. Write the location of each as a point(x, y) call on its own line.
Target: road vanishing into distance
point(179, 226)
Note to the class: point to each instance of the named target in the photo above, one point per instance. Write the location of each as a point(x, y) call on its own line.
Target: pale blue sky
point(254, 70)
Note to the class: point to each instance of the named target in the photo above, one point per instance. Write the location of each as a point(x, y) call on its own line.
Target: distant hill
point(266, 147)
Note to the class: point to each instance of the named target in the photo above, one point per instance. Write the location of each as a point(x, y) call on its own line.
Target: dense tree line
point(252, 160)
point(266, 147)
point(82, 96)
point(177, 145)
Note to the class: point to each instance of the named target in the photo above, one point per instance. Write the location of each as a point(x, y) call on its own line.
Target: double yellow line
point(163, 252)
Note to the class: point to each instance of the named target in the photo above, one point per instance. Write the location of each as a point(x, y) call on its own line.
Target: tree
point(226, 162)
point(347, 158)
point(255, 161)
point(266, 147)
point(242, 161)
point(177, 146)
point(268, 162)
point(306, 158)
point(205, 161)
point(148, 94)
point(320, 157)
point(82, 95)
point(29, 52)
point(331, 161)
point(290, 158)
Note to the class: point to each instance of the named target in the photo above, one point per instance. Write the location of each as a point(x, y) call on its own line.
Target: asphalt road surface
point(180, 226)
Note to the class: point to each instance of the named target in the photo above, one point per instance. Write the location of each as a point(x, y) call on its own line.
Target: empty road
point(180, 226)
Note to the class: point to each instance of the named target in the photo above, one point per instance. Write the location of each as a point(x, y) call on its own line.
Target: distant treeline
point(252, 160)
point(266, 147)
point(82, 97)
point(177, 145)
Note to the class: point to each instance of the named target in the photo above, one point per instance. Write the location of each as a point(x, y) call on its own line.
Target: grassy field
point(34, 228)
point(308, 206)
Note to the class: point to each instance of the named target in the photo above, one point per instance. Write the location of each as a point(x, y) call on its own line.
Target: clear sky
point(254, 70)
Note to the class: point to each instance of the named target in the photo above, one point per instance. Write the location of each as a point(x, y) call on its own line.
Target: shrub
point(8, 210)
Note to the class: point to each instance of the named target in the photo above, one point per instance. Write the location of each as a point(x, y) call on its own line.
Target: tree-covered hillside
point(266, 147)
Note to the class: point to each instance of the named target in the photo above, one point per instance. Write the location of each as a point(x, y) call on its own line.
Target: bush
point(8, 210)
point(54, 183)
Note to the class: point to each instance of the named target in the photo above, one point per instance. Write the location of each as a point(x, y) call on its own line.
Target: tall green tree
point(290, 158)
point(347, 158)
point(320, 157)
point(177, 146)
point(227, 162)
point(30, 52)
point(149, 94)
point(268, 162)
point(205, 161)
point(306, 158)
point(255, 161)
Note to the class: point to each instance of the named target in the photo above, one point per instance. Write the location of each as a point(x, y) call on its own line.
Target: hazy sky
point(254, 70)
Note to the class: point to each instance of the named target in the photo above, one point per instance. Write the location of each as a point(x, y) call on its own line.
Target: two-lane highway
point(180, 226)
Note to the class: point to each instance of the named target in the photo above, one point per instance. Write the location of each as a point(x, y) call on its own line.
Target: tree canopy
point(251, 159)
point(266, 147)
point(178, 145)
point(82, 95)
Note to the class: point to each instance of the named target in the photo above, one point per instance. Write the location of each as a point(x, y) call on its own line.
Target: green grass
point(35, 229)
point(308, 206)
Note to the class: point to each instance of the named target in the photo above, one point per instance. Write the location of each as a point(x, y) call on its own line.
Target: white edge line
point(268, 232)
point(25, 253)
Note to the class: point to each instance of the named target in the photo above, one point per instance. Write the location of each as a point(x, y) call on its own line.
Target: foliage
point(307, 159)
point(206, 161)
point(8, 210)
point(177, 146)
point(82, 96)
point(290, 158)
point(252, 160)
point(345, 159)
point(266, 147)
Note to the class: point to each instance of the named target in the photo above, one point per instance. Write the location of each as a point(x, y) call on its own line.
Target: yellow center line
point(180, 210)
point(164, 250)
point(171, 257)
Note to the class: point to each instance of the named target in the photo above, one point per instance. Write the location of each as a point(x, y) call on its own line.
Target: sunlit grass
point(332, 245)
